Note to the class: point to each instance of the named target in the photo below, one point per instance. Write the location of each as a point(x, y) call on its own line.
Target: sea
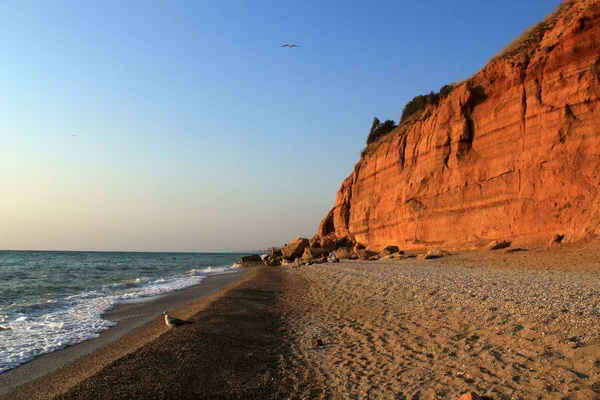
point(53, 299)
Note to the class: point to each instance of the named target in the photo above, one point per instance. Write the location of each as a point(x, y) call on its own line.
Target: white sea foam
point(48, 326)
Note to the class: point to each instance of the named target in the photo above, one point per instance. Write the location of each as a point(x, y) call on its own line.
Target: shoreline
point(129, 316)
point(234, 349)
point(501, 324)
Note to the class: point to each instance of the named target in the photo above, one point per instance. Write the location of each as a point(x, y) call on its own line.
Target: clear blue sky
point(194, 129)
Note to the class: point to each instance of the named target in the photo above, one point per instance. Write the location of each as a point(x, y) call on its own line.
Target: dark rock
point(250, 261)
point(556, 239)
point(388, 250)
point(273, 261)
point(364, 254)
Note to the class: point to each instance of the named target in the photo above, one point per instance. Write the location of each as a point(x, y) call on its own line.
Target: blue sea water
point(53, 299)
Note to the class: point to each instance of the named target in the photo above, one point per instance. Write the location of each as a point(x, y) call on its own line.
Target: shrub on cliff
point(413, 107)
point(378, 129)
point(445, 91)
point(418, 103)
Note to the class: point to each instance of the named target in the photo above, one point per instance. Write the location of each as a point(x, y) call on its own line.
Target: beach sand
point(517, 325)
point(507, 325)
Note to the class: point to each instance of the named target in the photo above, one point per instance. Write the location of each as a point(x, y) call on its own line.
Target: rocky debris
point(317, 343)
point(395, 256)
point(556, 239)
point(436, 253)
point(401, 256)
point(287, 262)
point(277, 253)
point(314, 253)
point(250, 261)
point(433, 253)
point(388, 250)
point(498, 244)
point(314, 243)
point(295, 249)
point(272, 261)
point(345, 253)
point(364, 254)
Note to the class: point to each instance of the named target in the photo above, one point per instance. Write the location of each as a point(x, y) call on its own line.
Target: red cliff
point(513, 152)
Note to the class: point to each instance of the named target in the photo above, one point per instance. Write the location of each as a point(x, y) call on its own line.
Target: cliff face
point(514, 152)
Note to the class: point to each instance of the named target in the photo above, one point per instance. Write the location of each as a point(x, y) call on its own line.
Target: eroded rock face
point(512, 152)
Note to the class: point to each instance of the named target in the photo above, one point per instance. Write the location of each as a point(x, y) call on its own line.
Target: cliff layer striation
point(512, 152)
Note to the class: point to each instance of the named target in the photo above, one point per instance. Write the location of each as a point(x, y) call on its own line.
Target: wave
point(33, 307)
point(41, 327)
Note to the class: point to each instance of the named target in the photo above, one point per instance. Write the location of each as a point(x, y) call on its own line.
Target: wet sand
point(129, 315)
point(234, 350)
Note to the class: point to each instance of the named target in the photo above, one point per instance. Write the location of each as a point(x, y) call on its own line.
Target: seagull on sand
point(173, 322)
point(290, 45)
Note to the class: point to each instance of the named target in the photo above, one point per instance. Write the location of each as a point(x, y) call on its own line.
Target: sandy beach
point(506, 325)
point(517, 325)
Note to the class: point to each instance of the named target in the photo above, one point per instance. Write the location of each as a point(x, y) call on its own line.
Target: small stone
point(470, 396)
point(436, 253)
point(498, 244)
point(317, 343)
point(556, 239)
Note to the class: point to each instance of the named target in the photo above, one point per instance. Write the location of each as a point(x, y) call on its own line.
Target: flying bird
point(173, 322)
point(290, 45)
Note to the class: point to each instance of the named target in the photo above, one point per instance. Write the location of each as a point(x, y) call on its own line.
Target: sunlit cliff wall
point(513, 152)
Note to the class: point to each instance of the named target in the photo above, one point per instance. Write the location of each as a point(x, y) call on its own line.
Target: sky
point(186, 126)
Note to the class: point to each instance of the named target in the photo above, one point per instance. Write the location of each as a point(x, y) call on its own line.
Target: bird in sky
point(290, 45)
point(173, 322)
